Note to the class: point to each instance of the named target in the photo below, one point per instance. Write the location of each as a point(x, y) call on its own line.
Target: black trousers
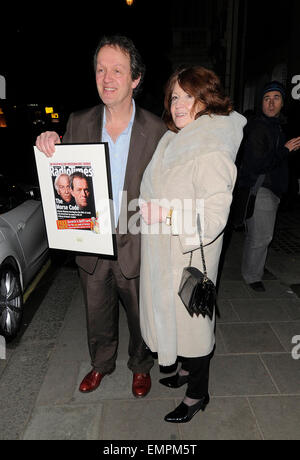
point(103, 291)
point(198, 369)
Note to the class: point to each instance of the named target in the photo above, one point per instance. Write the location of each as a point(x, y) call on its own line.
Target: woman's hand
point(152, 213)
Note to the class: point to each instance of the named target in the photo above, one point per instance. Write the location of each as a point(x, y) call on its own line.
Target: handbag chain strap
point(201, 248)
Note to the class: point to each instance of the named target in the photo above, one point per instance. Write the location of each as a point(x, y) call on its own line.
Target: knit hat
point(274, 86)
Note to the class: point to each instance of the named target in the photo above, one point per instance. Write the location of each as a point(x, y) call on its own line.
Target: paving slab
point(278, 417)
point(70, 350)
point(285, 267)
point(59, 383)
point(296, 289)
point(5, 360)
point(227, 312)
point(263, 310)
point(274, 290)
point(65, 423)
point(285, 371)
point(223, 419)
point(19, 386)
point(285, 332)
point(220, 348)
point(138, 419)
point(250, 338)
point(233, 290)
point(292, 307)
point(231, 273)
point(240, 375)
point(50, 316)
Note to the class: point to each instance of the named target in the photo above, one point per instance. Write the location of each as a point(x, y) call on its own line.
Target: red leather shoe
point(141, 385)
point(91, 381)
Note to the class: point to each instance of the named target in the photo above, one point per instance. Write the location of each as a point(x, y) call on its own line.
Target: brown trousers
point(103, 290)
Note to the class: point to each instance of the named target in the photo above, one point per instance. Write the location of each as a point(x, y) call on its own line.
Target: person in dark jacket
point(265, 161)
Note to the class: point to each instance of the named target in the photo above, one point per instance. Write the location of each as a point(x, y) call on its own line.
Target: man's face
point(80, 192)
point(272, 104)
point(113, 76)
point(64, 189)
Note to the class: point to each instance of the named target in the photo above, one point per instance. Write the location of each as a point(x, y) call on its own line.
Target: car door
point(27, 219)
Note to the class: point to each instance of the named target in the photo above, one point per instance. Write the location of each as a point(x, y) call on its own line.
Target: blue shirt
point(118, 155)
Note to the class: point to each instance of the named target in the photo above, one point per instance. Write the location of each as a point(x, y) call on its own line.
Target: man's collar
point(132, 115)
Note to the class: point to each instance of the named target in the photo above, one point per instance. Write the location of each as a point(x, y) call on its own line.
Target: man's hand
point(293, 144)
point(46, 141)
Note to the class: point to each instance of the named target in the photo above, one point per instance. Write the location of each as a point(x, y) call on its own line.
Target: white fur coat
point(194, 171)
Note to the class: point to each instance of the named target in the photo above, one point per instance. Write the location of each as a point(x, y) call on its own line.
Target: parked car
point(23, 249)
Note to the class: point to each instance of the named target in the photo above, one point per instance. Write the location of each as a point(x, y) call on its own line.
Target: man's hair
point(57, 179)
point(204, 85)
point(79, 175)
point(127, 46)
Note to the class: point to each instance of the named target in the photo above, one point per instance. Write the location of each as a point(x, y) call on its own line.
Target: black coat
point(264, 153)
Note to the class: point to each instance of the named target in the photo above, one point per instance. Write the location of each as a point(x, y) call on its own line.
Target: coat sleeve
point(67, 138)
point(214, 178)
point(261, 154)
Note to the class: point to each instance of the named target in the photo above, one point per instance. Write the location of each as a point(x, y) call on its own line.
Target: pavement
point(254, 378)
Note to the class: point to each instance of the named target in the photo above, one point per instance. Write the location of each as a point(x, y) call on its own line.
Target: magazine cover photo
point(76, 195)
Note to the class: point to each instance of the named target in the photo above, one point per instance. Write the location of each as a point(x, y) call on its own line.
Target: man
point(80, 189)
point(264, 163)
point(62, 186)
point(132, 134)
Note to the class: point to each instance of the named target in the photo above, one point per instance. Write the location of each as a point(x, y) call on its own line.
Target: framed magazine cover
point(76, 193)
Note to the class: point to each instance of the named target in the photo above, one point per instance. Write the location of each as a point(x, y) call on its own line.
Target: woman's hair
point(204, 85)
point(127, 46)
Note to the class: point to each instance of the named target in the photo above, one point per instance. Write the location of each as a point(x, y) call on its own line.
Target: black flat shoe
point(175, 381)
point(184, 413)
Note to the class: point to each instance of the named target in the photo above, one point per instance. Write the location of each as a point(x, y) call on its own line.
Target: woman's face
point(182, 107)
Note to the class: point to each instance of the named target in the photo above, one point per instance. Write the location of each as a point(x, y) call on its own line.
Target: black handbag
point(196, 290)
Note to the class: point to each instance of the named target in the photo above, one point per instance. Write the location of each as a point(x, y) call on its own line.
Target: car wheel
point(11, 302)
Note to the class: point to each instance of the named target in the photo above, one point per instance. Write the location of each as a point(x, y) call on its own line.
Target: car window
point(11, 195)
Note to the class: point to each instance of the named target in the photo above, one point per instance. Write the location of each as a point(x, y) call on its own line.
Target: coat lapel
point(95, 126)
point(136, 148)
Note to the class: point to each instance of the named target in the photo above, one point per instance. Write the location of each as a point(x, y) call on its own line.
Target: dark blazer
point(147, 129)
point(264, 153)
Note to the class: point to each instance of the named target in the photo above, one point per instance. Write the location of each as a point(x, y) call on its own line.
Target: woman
point(192, 171)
